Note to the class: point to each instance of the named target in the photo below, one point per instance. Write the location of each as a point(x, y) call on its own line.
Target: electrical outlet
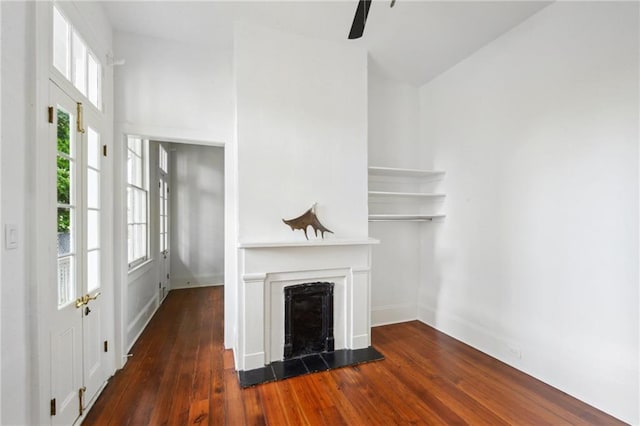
point(515, 350)
point(10, 236)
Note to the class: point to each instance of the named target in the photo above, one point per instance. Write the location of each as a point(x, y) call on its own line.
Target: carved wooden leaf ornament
point(307, 219)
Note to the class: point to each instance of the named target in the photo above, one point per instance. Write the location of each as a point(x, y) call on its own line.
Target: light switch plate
point(10, 236)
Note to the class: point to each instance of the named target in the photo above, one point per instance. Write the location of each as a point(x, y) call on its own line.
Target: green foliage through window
point(63, 172)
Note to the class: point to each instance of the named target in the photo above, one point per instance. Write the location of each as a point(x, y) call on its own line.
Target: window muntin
point(137, 201)
point(75, 61)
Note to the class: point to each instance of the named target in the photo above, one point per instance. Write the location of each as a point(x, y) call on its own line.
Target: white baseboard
point(253, 361)
point(191, 282)
point(479, 337)
point(361, 341)
point(393, 314)
point(141, 317)
point(564, 370)
point(182, 285)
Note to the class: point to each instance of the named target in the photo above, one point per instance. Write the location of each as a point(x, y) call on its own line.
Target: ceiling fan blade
point(362, 11)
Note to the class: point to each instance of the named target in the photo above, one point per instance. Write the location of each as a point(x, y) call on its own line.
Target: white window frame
point(142, 186)
point(88, 55)
point(163, 173)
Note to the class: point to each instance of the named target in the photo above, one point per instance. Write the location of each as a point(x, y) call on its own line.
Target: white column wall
point(301, 138)
point(17, 63)
point(302, 134)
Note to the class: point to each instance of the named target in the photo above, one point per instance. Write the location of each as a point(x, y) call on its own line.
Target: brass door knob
point(94, 297)
point(81, 301)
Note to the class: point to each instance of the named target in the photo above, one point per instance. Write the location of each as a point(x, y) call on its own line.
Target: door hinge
point(53, 407)
point(167, 276)
point(81, 392)
point(80, 118)
point(104, 150)
point(106, 346)
point(50, 112)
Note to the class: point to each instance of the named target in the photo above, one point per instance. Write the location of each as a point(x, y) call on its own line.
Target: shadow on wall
point(197, 215)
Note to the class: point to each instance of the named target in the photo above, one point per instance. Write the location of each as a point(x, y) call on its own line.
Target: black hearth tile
point(358, 356)
point(256, 377)
point(336, 359)
point(289, 368)
point(314, 363)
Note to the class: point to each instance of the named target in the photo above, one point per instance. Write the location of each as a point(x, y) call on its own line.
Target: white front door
point(163, 187)
point(77, 371)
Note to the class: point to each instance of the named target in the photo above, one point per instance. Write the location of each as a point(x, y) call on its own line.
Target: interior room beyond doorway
point(185, 228)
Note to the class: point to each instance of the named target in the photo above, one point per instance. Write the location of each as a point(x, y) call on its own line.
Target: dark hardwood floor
point(180, 374)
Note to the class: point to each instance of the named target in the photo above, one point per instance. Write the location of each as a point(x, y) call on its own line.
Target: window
point(137, 201)
point(67, 206)
point(93, 209)
point(163, 159)
point(163, 187)
point(61, 35)
point(75, 61)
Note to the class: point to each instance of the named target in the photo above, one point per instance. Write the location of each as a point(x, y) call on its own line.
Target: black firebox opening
point(308, 319)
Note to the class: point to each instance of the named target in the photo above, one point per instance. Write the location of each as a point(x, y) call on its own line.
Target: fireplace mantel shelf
point(309, 243)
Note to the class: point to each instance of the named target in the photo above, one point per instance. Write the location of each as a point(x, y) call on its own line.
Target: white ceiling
point(412, 42)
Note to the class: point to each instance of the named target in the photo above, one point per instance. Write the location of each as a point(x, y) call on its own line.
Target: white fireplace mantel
point(266, 268)
point(308, 243)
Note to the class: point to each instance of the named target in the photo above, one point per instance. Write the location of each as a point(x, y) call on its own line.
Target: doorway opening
point(196, 215)
point(184, 231)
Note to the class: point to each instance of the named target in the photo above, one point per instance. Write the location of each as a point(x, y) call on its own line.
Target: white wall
point(142, 298)
point(174, 90)
point(17, 58)
point(302, 134)
point(394, 121)
point(393, 142)
point(536, 262)
point(197, 215)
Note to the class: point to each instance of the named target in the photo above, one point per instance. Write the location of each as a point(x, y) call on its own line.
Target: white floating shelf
point(392, 171)
point(403, 217)
point(405, 194)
